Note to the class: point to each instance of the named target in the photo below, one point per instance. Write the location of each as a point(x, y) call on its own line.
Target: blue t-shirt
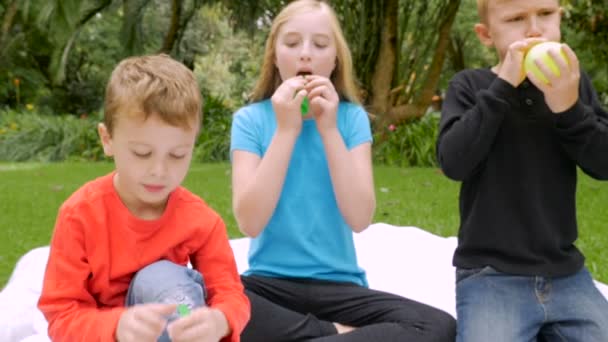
point(306, 236)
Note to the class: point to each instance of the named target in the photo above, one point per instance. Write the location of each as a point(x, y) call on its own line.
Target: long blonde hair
point(342, 77)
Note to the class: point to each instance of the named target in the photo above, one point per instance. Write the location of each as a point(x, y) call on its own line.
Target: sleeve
point(71, 311)
point(215, 261)
point(359, 131)
point(470, 120)
point(243, 134)
point(583, 131)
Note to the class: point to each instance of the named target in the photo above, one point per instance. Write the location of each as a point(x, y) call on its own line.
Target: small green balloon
point(183, 310)
point(304, 106)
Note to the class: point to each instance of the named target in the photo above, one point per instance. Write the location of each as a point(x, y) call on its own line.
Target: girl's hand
point(324, 101)
point(561, 92)
point(286, 102)
point(143, 322)
point(204, 324)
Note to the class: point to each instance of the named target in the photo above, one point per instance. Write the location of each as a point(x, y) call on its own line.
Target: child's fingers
point(320, 91)
point(558, 58)
point(540, 84)
point(572, 59)
point(546, 70)
point(300, 94)
point(190, 327)
point(161, 309)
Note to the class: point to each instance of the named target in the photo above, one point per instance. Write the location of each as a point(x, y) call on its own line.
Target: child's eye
point(546, 13)
point(514, 19)
point(141, 155)
point(320, 45)
point(177, 156)
point(291, 44)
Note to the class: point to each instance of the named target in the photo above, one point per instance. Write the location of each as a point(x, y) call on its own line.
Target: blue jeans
point(166, 282)
point(494, 306)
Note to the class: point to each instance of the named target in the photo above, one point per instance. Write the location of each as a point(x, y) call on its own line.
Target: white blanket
point(403, 260)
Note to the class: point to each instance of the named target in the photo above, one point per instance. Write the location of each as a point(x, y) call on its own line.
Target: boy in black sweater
point(515, 144)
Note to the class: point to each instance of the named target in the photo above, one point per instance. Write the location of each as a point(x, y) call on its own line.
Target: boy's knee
point(166, 282)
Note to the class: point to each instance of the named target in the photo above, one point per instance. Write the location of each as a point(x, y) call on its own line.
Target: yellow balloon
point(539, 52)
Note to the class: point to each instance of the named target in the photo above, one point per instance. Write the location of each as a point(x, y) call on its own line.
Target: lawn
point(30, 195)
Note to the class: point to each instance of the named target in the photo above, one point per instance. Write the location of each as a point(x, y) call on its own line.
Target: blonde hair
point(482, 10)
point(342, 76)
point(153, 85)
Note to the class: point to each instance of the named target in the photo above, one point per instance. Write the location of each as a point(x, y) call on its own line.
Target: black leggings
point(303, 310)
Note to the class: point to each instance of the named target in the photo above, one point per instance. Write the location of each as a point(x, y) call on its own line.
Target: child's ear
point(483, 33)
point(106, 139)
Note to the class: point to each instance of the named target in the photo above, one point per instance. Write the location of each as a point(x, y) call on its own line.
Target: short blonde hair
point(157, 84)
point(342, 77)
point(482, 9)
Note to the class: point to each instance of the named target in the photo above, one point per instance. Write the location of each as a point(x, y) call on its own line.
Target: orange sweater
point(98, 245)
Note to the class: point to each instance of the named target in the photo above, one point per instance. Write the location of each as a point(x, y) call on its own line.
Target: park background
point(56, 56)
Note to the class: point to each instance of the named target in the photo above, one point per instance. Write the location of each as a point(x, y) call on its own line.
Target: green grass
point(30, 195)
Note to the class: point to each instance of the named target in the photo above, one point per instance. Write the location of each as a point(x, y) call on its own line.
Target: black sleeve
point(583, 130)
point(470, 119)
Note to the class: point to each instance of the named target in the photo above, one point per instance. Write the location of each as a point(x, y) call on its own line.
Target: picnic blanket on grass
point(407, 261)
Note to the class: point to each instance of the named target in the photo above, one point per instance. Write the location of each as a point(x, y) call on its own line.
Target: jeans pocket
point(466, 273)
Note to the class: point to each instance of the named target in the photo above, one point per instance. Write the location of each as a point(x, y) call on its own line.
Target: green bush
point(27, 136)
point(213, 144)
point(411, 143)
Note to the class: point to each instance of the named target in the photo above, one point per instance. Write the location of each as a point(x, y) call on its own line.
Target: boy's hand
point(512, 67)
point(143, 322)
point(323, 102)
point(286, 102)
point(561, 92)
point(204, 324)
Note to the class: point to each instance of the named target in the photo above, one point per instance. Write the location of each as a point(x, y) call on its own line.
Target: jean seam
point(482, 271)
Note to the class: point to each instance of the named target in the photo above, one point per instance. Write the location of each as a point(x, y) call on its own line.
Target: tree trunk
point(382, 77)
point(170, 37)
point(423, 100)
point(7, 23)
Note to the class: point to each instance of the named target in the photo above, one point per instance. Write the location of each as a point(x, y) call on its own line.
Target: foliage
point(409, 144)
point(586, 31)
point(228, 61)
point(26, 136)
point(30, 136)
point(213, 144)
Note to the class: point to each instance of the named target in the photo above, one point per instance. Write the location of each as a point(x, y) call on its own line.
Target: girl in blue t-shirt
point(302, 183)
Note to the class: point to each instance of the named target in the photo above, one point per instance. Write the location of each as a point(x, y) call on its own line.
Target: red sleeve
point(225, 292)
point(70, 310)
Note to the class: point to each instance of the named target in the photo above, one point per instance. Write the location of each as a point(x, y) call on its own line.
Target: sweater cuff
point(236, 321)
point(570, 117)
point(111, 322)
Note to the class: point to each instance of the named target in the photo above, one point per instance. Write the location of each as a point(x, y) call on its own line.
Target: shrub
point(27, 136)
point(213, 144)
point(411, 143)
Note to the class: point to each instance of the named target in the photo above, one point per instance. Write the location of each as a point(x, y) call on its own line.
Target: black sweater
point(517, 162)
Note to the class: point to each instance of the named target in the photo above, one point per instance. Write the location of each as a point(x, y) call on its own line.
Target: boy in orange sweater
point(117, 268)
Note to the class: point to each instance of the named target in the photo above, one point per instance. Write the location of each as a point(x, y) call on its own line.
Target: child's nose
point(158, 168)
point(305, 51)
point(533, 28)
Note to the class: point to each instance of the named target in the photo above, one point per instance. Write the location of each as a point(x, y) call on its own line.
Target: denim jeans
point(166, 282)
point(493, 306)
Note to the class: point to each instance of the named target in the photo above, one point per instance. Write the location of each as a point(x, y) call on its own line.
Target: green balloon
point(539, 52)
point(183, 310)
point(304, 106)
